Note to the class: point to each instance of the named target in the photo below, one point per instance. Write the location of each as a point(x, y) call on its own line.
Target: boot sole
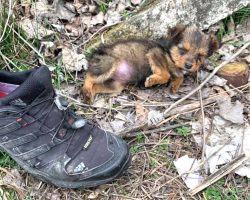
point(67, 184)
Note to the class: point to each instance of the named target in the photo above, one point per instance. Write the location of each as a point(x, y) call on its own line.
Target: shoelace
point(69, 120)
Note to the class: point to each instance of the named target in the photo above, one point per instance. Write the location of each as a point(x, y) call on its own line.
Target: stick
point(207, 79)
point(164, 128)
point(226, 169)
point(191, 106)
point(178, 110)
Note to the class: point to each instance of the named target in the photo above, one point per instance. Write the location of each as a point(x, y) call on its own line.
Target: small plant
point(125, 14)
point(103, 6)
point(183, 131)
point(6, 161)
point(140, 138)
point(164, 145)
point(152, 163)
point(135, 149)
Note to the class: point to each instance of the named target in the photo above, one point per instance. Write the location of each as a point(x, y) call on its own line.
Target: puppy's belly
point(124, 73)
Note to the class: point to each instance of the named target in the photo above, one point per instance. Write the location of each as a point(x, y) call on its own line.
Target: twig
point(207, 79)
point(7, 21)
point(203, 127)
point(229, 167)
point(164, 128)
point(99, 30)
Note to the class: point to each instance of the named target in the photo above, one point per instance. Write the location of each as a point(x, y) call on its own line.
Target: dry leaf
point(15, 181)
point(135, 2)
point(73, 61)
point(94, 195)
point(55, 195)
point(231, 111)
point(62, 12)
point(214, 81)
point(141, 113)
point(97, 19)
point(34, 29)
point(154, 117)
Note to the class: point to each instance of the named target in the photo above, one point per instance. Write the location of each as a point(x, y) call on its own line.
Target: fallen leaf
point(154, 117)
point(136, 2)
point(100, 103)
point(62, 12)
point(226, 51)
point(185, 164)
point(40, 7)
point(94, 195)
point(141, 113)
point(224, 141)
point(120, 116)
point(97, 19)
point(231, 111)
point(247, 58)
point(214, 81)
point(73, 61)
point(33, 29)
point(117, 125)
point(15, 181)
point(112, 17)
point(55, 195)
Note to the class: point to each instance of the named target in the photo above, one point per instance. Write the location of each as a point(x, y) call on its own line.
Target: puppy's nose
point(188, 65)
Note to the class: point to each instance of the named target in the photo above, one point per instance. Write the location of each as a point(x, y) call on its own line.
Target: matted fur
point(147, 62)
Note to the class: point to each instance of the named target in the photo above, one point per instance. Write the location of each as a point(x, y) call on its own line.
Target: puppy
point(142, 61)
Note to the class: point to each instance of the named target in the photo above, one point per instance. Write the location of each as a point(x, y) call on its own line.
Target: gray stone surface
point(162, 14)
point(155, 17)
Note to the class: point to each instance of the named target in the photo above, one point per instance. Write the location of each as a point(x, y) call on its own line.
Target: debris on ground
point(168, 157)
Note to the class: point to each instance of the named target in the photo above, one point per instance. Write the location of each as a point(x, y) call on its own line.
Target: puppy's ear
point(176, 33)
point(214, 44)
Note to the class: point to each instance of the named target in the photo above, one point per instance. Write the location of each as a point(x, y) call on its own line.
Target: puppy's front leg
point(176, 83)
point(158, 64)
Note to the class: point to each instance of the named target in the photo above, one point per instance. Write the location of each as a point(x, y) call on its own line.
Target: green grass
point(13, 51)
point(219, 191)
point(183, 131)
point(6, 161)
point(103, 5)
point(237, 17)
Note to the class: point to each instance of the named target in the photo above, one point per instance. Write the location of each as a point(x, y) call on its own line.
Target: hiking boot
point(46, 138)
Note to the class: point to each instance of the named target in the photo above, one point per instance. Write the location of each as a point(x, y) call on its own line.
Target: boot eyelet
point(5, 138)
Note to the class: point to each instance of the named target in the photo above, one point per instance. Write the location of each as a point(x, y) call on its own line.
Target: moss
point(120, 31)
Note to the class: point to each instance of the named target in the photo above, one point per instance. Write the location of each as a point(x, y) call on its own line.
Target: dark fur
point(148, 62)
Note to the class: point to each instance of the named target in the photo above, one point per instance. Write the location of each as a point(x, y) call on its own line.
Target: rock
point(155, 17)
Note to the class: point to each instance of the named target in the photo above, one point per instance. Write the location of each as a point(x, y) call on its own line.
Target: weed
point(125, 14)
point(135, 149)
point(140, 138)
point(6, 161)
point(152, 163)
point(103, 6)
point(237, 17)
point(218, 191)
point(164, 145)
point(183, 131)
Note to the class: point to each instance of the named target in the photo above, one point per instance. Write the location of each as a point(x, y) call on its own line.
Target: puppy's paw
point(87, 96)
point(174, 90)
point(149, 82)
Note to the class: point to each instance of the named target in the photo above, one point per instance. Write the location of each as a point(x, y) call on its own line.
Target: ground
point(59, 40)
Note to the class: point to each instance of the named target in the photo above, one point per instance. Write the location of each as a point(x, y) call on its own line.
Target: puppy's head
point(189, 47)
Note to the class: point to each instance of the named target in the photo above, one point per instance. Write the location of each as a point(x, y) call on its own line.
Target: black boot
point(48, 140)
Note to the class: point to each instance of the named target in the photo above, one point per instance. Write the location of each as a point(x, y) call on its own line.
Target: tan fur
point(148, 62)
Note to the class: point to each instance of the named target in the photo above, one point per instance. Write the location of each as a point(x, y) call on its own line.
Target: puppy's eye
point(182, 51)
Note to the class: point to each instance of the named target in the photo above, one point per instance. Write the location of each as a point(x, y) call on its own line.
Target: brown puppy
point(141, 61)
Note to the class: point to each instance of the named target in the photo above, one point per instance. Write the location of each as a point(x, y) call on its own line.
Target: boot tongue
point(38, 81)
